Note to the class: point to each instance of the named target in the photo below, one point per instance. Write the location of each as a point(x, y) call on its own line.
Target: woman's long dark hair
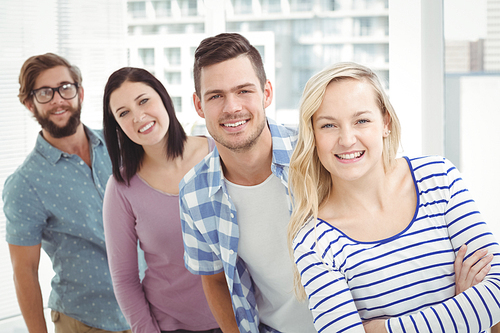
point(124, 153)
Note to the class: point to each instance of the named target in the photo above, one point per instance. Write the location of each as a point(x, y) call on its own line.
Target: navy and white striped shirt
point(408, 278)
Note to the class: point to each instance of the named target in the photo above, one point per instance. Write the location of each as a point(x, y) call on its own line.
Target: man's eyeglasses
point(45, 94)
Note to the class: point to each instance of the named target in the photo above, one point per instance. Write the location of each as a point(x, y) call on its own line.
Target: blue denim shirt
point(210, 227)
point(55, 199)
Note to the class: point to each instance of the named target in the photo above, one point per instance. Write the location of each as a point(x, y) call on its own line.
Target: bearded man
point(54, 201)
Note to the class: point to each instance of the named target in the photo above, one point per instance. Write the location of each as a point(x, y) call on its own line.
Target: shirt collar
point(283, 143)
point(52, 154)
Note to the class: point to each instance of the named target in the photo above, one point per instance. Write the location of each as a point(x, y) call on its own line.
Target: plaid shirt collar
point(283, 144)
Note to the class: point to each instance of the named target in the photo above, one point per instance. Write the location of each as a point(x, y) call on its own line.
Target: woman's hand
point(375, 326)
point(470, 272)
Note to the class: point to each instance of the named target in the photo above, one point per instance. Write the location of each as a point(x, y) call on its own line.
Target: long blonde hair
point(309, 181)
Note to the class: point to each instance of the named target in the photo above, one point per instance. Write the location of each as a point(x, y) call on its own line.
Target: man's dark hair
point(225, 46)
point(124, 153)
point(34, 65)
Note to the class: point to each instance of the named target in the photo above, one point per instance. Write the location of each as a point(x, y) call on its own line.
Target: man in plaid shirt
point(235, 204)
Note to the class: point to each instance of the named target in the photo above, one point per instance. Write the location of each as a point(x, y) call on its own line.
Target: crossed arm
point(468, 273)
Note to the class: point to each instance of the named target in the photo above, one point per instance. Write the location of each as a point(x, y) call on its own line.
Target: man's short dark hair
point(225, 46)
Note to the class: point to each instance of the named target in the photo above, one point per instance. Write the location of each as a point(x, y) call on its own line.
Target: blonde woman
point(375, 237)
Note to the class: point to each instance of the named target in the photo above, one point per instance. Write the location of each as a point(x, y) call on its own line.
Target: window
point(332, 27)
point(331, 54)
point(369, 4)
point(363, 26)
point(147, 56)
point(262, 51)
point(137, 9)
point(302, 56)
point(271, 6)
point(177, 101)
point(162, 8)
point(188, 7)
point(301, 5)
point(365, 53)
point(303, 29)
point(173, 78)
point(330, 5)
point(242, 7)
point(173, 56)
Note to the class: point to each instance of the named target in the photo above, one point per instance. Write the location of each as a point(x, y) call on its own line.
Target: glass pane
point(271, 6)
point(177, 101)
point(242, 6)
point(188, 7)
point(162, 8)
point(137, 9)
point(147, 56)
point(301, 5)
point(173, 56)
point(173, 78)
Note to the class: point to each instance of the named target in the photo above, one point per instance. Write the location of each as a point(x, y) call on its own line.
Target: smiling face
point(139, 111)
point(60, 117)
point(349, 130)
point(233, 103)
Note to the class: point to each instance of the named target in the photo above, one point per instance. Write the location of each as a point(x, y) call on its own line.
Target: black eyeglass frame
point(33, 92)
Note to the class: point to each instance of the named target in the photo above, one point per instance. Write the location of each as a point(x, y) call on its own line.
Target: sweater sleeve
point(121, 246)
point(477, 308)
point(330, 299)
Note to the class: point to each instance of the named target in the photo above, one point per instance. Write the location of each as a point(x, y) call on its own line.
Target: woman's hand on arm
point(375, 326)
point(472, 271)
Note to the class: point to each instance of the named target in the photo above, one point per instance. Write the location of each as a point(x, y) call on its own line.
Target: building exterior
point(464, 56)
point(492, 43)
point(307, 35)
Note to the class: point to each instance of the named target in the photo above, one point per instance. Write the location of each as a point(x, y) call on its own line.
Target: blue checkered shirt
point(210, 228)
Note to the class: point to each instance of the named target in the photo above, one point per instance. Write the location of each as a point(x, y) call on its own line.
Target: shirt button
point(81, 162)
point(232, 215)
point(231, 252)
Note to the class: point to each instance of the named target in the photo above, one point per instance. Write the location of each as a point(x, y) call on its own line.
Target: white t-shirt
point(263, 216)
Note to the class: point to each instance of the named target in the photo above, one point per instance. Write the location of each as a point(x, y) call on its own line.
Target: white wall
point(479, 140)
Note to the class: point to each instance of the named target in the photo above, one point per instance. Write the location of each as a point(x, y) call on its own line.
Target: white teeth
point(145, 128)
point(350, 156)
point(59, 112)
point(236, 124)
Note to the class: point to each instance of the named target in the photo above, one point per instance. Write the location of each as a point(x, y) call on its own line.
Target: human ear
point(268, 94)
point(80, 94)
point(30, 106)
point(197, 105)
point(387, 125)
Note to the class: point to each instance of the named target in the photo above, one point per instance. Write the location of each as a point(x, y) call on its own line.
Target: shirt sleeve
point(121, 247)
point(330, 299)
point(200, 255)
point(477, 308)
point(24, 210)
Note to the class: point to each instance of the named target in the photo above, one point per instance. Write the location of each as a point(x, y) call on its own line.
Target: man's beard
point(56, 131)
point(246, 143)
